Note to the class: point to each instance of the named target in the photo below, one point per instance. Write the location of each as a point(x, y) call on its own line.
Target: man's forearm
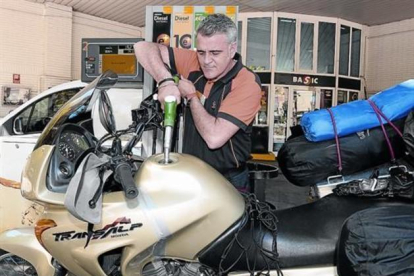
point(202, 120)
point(152, 59)
point(214, 131)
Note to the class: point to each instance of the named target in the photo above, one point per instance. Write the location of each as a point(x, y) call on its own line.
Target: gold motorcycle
point(108, 212)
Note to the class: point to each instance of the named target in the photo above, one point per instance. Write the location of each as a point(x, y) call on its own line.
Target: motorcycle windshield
point(78, 108)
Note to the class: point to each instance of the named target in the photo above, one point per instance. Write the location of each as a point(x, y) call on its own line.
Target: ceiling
point(367, 12)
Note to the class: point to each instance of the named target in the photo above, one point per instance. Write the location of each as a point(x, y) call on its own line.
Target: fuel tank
point(182, 207)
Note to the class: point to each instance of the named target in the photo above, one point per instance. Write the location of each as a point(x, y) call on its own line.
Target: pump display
point(117, 55)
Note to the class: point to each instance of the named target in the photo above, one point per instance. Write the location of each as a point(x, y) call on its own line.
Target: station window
point(345, 96)
point(285, 56)
point(239, 36)
point(306, 46)
point(355, 52)
point(326, 47)
point(344, 50)
point(258, 43)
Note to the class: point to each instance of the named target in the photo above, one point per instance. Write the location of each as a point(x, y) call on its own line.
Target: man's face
point(215, 55)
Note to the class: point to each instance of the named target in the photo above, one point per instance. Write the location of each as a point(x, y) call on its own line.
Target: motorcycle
point(108, 212)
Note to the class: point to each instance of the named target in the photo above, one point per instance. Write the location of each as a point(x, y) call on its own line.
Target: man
point(222, 95)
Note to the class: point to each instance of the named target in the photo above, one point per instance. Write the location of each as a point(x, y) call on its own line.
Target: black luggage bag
point(377, 242)
point(307, 163)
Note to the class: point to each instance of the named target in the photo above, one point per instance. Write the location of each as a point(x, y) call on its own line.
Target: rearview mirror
point(106, 115)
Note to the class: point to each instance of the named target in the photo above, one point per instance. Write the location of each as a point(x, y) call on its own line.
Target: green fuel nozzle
point(170, 107)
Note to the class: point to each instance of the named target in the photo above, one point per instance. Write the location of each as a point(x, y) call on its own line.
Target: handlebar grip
point(123, 173)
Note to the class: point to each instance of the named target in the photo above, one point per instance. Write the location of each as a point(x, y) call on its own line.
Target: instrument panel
point(72, 144)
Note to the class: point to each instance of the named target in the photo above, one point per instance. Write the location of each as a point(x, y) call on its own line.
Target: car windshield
point(77, 107)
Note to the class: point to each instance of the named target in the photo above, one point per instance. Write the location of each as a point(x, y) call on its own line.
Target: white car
point(21, 128)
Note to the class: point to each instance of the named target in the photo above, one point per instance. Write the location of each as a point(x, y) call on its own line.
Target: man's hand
point(186, 87)
point(168, 90)
point(153, 57)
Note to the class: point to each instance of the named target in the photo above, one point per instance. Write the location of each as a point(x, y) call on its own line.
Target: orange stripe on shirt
point(185, 61)
point(243, 101)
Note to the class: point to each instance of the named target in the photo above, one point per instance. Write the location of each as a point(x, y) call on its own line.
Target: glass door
point(262, 115)
point(326, 98)
point(280, 117)
point(260, 133)
point(303, 101)
point(289, 105)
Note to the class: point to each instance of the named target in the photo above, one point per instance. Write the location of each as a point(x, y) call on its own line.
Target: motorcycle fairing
point(23, 243)
point(34, 177)
point(181, 212)
point(181, 196)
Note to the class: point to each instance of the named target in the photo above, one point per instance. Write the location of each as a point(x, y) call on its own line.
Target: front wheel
point(13, 265)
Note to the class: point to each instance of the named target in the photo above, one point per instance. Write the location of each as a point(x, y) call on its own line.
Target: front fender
point(23, 243)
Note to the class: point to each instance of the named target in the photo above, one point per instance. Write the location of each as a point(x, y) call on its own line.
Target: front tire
point(13, 265)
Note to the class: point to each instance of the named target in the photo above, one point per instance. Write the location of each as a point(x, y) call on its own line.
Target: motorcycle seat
point(308, 234)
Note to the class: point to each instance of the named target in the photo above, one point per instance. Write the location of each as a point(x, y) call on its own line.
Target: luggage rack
point(325, 188)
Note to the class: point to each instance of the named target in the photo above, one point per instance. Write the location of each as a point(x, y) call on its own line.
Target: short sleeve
point(185, 61)
point(242, 103)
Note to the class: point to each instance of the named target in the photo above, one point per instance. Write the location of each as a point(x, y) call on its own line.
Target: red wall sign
point(16, 78)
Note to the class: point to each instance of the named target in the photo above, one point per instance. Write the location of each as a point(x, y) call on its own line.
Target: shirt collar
point(233, 71)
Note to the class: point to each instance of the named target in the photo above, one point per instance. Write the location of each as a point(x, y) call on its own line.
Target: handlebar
point(123, 174)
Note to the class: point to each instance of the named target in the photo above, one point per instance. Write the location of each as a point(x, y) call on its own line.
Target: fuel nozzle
point(170, 107)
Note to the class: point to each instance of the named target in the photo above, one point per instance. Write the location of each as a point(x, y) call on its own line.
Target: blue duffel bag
point(395, 103)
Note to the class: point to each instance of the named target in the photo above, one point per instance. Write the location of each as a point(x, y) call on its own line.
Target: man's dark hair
point(218, 24)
